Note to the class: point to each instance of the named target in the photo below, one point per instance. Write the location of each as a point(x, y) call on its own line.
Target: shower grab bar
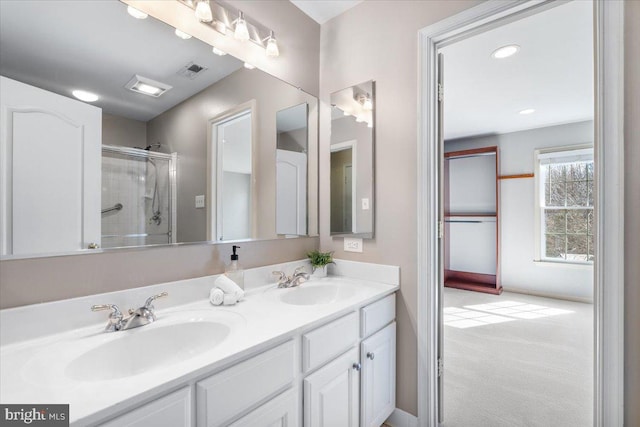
point(116, 207)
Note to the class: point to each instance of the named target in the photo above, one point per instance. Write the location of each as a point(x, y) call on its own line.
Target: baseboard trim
point(400, 418)
point(547, 295)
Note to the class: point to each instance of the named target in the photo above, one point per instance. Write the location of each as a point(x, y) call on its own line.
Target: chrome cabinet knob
point(93, 246)
point(371, 355)
point(356, 366)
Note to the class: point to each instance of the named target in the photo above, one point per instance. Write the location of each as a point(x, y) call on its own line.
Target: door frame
point(212, 204)
point(609, 209)
point(353, 145)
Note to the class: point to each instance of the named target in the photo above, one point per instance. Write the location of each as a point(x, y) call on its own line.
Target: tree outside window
point(567, 223)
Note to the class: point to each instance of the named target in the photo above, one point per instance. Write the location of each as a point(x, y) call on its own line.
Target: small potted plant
point(319, 261)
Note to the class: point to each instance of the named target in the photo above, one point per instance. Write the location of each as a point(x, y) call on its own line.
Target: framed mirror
point(352, 160)
point(127, 132)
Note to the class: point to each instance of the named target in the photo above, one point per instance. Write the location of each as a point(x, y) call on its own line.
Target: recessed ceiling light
point(182, 35)
point(147, 86)
point(138, 14)
point(85, 96)
point(527, 111)
point(505, 51)
point(249, 66)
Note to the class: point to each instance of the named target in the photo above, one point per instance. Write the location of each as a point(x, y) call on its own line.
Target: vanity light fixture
point(222, 17)
point(272, 46)
point(203, 11)
point(146, 86)
point(219, 52)
point(183, 35)
point(85, 96)
point(241, 32)
point(505, 51)
point(249, 66)
point(366, 102)
point(138, 14)
point(527, 111)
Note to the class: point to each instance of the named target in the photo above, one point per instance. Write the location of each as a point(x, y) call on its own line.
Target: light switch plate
point(352, 244)
point(200, 202)
point(365, 204)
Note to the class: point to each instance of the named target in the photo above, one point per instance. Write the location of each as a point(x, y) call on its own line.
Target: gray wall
point(36, 280)
point(385, 50)
point(519, 271)
point(117, 130)
point(632, 213)
point(377, 40)
point(183, 129)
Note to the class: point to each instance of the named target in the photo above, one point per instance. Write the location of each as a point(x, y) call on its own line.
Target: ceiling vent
point(192, 70)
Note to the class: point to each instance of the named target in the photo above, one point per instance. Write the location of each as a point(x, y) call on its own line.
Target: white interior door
point(51, 170)
point(291, 192)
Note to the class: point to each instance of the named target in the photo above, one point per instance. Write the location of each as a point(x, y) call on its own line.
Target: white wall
point(519, 271)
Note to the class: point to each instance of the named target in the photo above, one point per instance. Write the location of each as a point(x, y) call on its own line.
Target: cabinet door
point(332, 394)
point(281, 411)
point(172, 410)
point(378, 377)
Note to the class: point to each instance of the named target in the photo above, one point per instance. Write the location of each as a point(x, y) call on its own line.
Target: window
point(565, 187)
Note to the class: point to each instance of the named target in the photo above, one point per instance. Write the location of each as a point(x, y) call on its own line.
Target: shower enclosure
point(138, 197)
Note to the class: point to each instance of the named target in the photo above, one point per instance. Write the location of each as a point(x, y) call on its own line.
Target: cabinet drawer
point(377, 315)
point(229, 393)
point(326, 342)
point(172, 410)
point(281, 411)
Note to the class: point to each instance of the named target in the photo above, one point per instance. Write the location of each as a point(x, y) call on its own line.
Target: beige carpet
point(517, 360)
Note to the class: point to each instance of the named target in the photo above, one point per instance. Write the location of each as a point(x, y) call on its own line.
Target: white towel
point(230, 299)
point(216, 296)
point(229, 287)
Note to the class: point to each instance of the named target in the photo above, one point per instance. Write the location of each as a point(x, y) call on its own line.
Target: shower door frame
point(173, 187)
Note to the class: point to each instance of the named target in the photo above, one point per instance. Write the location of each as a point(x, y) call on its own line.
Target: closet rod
point(521, 175)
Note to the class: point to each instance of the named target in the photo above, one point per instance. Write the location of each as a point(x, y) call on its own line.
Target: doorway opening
point(550, 243)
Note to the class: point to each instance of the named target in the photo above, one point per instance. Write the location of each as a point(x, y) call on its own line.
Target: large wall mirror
point(120, 132)
point(352, 154)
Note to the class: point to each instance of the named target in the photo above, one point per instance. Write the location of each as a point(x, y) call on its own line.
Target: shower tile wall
point(130, 181)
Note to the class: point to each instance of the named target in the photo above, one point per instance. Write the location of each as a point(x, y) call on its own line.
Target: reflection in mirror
point(115, 140)
point(352, 151)
point(291, 170)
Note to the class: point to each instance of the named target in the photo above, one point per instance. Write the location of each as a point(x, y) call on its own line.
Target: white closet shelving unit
point(472, 220)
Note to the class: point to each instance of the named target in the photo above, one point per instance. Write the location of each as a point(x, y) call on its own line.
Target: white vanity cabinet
point(378, 377)
point(339, 374)
point(172, 410)
point(332, 394)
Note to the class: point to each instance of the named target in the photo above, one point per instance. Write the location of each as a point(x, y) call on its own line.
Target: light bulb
point(272, 46)
point(182, 35)
point(367, 104)
point(241, 32)
point(360, 119)
point(219, 52)
point(138, 14)
point(249, 66)
point(370, 124)
point(203, 11)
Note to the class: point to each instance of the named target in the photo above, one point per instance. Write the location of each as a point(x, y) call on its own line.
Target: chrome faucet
point(139, 317)
point(296, 279)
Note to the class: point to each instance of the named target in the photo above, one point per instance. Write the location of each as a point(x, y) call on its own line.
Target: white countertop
point(35, 370)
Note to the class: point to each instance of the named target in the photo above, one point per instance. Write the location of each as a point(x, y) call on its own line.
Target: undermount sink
point(139, 350)
point(315, 294)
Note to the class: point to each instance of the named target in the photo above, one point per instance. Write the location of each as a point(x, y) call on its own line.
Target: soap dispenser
point(233, 270)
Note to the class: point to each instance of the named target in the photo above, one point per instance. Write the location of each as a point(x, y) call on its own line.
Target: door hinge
point(440, 92)
point(440, 229)
point(440, 367)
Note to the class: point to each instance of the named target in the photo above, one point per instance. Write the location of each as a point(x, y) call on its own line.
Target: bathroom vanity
point(321, 354)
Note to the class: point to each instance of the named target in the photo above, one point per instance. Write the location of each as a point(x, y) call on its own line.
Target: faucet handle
point(299, 270)
point(149, 301)
point(115, 310)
